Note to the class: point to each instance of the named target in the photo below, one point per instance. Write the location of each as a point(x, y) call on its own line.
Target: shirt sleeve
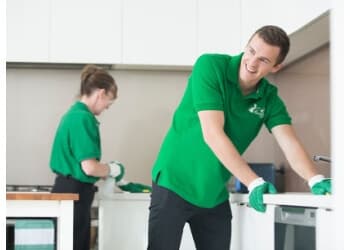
point(85, 138)
point(277, 112)
point(205, 85)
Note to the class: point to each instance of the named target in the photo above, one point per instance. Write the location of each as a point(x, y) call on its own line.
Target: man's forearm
point(227, 153)
point(212, 123)
point(294, 151)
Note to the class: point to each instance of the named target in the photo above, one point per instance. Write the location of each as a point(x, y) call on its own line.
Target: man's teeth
point(251, 71)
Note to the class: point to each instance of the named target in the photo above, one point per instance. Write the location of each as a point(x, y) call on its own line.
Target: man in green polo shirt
point(225, 104)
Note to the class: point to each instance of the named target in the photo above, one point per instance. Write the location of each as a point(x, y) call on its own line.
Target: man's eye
point(264, 61)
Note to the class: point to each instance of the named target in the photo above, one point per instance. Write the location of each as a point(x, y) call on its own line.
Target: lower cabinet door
point(325, 225)
point(252, 230)
point(123, 225)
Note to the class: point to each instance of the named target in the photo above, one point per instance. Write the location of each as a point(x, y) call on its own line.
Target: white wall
point(131, 130)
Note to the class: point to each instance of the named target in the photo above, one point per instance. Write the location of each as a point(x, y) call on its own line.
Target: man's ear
point(277, 67)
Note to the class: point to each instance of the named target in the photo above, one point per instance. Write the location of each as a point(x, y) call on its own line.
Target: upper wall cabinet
point(289, 15)
point(63, 31)
point(159, 32)
point(137, 32)
point(86, 31)
point(219, 26)
point(28, 29)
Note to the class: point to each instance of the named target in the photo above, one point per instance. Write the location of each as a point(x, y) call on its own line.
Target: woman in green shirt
point(76, 150)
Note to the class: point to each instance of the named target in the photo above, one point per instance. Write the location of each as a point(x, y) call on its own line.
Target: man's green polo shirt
point(185, 164)
point(77, 139)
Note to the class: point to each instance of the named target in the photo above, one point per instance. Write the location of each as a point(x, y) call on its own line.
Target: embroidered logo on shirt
point(257, 110)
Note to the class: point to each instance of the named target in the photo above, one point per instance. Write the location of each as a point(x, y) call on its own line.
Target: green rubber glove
point(256, 190)
point(320, 185)
point(116, 170)
point(135, 188)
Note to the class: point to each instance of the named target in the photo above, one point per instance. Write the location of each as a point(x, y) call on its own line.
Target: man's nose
point(253, 62)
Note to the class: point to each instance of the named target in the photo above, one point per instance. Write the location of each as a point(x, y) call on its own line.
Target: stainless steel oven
point(295, 228)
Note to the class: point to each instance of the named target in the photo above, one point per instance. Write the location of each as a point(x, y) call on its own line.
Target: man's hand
point(320, 185)
point(116, 170)
point(257, 188)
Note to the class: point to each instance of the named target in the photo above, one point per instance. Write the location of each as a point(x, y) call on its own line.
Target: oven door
point(295, 228)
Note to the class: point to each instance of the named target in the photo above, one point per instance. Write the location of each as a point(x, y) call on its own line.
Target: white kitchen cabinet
point(86, 31)
point(187, 242)
point(252, 230)
point(123, 223)
point(290, 15)
point(45, 205)
point(159, 32)
point(63, 31)
point(219, 26)
point(28, 30)
point(325, 228)
point(136, 32)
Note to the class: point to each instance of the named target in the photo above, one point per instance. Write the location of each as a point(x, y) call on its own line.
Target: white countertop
point(124, 196)
point(288, 199)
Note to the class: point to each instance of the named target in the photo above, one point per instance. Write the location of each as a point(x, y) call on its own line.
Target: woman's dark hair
point(93, 77)
point(275, 36)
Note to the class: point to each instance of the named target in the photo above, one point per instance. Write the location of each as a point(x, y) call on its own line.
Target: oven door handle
point(295, 216)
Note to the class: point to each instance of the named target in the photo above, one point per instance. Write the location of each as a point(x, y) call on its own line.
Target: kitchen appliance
point(28, 188)
point(268, 172)
point(295, 228)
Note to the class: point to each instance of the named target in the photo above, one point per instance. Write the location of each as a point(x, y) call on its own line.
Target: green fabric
point(185, 164)
point(322, 187)
point(77, 138)
point(135, 188)
point(33, 224)
point(256, 196)
point(35, 247)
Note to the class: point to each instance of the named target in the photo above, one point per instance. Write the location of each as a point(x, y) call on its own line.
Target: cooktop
point(28, 188)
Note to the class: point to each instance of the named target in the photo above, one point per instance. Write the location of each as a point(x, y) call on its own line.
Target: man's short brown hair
point(275, 36)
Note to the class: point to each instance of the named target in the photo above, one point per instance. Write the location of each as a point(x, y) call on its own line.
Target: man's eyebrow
point(262, 57)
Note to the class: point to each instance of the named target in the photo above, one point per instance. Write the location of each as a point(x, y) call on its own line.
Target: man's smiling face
point(259, 59)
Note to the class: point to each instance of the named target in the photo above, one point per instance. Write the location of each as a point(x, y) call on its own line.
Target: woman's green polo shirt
point(185, 164)
point(77, 139)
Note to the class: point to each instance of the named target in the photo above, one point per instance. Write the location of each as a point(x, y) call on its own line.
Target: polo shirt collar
point(82, 106)
point(232, 75)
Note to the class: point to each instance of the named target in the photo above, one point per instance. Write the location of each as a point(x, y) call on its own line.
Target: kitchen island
point(305, 211)
point(45, 205)
point(290, 199)
point(123, 220)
